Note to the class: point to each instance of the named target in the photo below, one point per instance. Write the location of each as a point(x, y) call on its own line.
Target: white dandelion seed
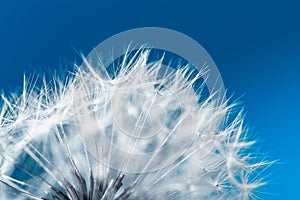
point(137, 129)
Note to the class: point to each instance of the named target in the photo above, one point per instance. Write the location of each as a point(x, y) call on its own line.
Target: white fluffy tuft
point(141, 133)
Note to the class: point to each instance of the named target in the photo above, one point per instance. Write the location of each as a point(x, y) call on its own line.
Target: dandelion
point(135, 130)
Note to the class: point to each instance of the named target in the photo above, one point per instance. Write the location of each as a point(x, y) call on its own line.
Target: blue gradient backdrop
point(255, 44)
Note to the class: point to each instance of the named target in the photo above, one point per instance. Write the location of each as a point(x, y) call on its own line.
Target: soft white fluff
point(145, 125)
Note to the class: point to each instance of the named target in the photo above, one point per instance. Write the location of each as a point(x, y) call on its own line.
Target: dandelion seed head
point(138, 130)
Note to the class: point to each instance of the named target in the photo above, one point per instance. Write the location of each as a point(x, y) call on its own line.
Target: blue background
point(255, 44)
